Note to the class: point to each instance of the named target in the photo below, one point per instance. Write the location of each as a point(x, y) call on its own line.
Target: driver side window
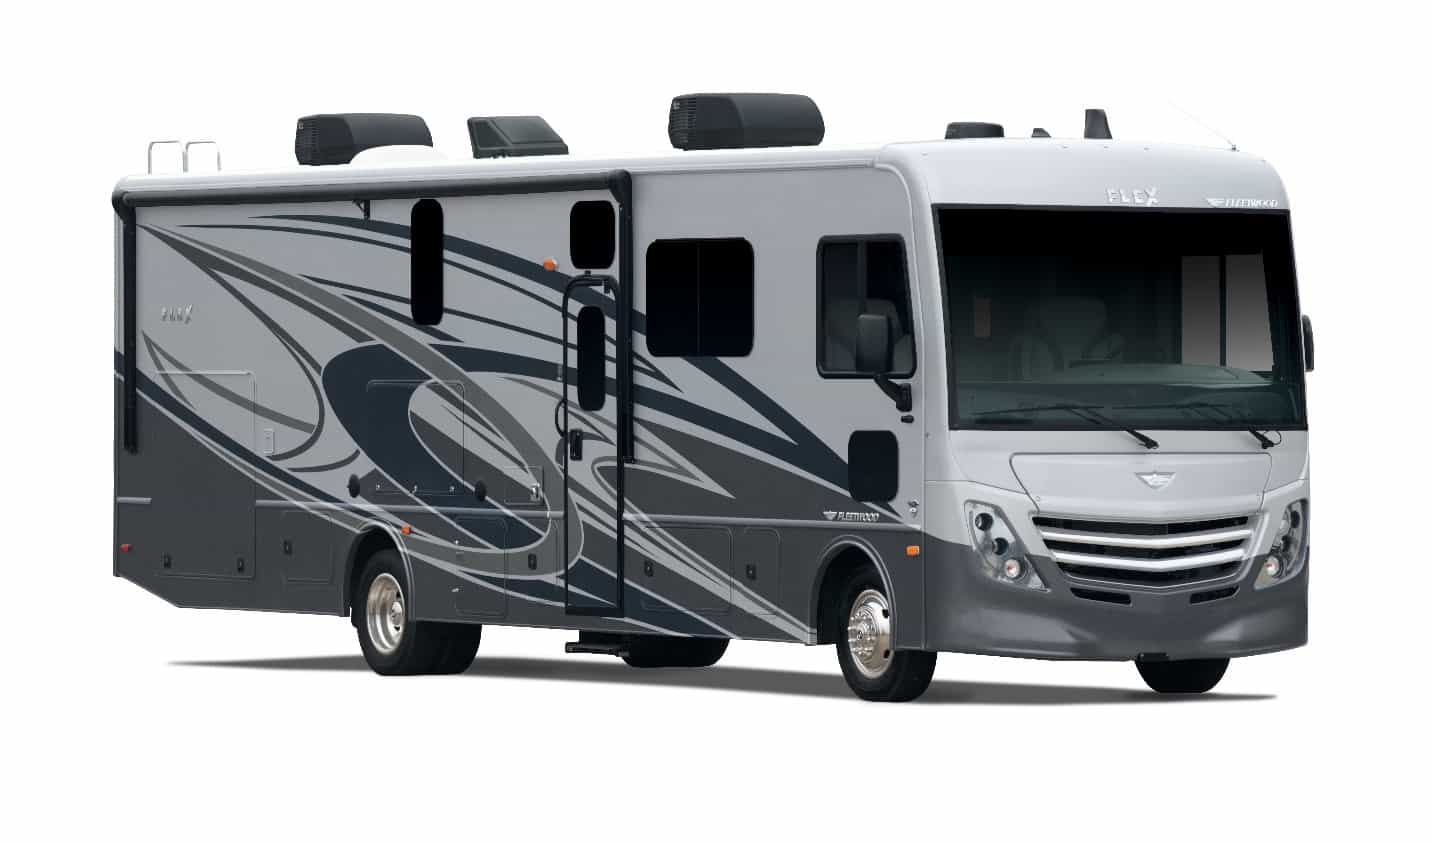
point(861, 275)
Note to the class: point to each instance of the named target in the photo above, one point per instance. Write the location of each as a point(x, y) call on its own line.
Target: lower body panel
point(969, 613)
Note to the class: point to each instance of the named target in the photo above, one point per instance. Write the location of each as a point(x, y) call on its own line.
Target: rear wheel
point(1182, 676)
point(673, 652)
point(872, 667)
point(394, 644)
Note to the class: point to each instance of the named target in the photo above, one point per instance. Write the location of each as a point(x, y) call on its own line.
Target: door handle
point(573, 444)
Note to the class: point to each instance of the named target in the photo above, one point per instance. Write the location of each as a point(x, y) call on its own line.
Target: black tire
point(907, 674)
point(459, 649)
point(674, 652)
point(421, 647)
point(1182, 676)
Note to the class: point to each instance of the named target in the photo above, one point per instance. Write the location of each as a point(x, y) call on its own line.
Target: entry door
point(593, 415)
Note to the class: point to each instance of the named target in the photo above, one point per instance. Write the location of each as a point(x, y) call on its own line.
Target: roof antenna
point(1095, 124)
point(1194, 118)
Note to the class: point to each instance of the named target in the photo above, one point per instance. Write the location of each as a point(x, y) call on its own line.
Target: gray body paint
point(295, 368)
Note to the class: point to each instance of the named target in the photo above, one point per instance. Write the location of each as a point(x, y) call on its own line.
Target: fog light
point(1013, 568)
point(1273, 567)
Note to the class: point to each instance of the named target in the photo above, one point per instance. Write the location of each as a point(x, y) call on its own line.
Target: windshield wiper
point(1209, 410)
point(1263, 439)
point(1087, 412)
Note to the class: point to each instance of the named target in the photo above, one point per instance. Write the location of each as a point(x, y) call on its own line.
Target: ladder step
point(604, 648)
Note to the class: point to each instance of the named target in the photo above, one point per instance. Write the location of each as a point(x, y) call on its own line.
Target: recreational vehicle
point(1036, 397)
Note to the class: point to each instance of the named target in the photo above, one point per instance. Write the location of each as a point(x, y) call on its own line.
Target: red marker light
point(124, 549)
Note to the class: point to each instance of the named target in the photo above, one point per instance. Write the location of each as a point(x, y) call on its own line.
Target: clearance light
point(407, 530)
point(549, 264)
point(911, 550)
point(1003, 556)
point(124, 549)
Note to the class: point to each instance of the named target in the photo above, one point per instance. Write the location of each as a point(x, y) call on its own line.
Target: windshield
point(1148, 319)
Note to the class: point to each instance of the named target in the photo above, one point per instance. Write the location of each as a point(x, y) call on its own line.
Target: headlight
point(1289, 548)
point(1002, 555)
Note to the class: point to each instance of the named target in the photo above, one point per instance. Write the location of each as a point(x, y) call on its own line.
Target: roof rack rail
point(184, 147)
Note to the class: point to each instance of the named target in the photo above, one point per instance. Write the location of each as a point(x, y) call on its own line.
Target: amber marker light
point(549, 264)
point(407, 530)
point(911, 550)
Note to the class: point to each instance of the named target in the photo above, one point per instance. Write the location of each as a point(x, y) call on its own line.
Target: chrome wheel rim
point(387, 613)
point(867, 634)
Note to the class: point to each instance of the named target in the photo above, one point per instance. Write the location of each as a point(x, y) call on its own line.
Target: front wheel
point(1182, 676)
point(872, 667)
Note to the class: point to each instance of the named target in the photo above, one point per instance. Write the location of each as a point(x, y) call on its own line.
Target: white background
point(122, 716)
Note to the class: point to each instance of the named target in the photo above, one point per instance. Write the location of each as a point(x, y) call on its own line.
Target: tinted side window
point(426, 250)
point(700, 298)
point(855, 276)
point(593, 235)
point(874, 465)
point(590, 358)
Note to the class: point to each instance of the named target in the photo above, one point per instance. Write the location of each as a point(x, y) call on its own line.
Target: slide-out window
point(700, 297)
point(426, 250)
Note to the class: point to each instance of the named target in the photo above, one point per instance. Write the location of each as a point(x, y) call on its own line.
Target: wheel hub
point(386, 613)
point(868, 633)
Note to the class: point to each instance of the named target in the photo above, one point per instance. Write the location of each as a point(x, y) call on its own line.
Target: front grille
point(1148, 554)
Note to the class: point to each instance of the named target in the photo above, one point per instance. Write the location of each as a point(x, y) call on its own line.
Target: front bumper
point(969, 613)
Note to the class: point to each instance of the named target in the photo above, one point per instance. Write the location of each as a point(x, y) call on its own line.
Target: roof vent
point(744, 121)
point(973, 130)
point(1095, 124)
point(336, 138)
point(500, 137)
point(1040, 132)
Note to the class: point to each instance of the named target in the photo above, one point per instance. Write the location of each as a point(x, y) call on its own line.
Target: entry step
point(607, 644)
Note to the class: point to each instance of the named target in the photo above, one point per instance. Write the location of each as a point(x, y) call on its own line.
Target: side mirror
point(1309, 347)
point(874, 355)
point(874, 352)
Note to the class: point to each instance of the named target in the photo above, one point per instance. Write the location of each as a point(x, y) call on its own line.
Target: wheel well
point(371, 542)
point(838, 571)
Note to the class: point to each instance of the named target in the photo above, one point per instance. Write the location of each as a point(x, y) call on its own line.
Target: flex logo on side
point(177, 313)
point(1147, 197)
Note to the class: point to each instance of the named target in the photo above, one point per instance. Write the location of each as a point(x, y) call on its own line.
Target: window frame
point(820, 302)
point(646, 268)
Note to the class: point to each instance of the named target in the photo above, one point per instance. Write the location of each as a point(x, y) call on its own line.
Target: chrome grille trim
point(1148, 554)
point(1192, 562)
point(1178, 541)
